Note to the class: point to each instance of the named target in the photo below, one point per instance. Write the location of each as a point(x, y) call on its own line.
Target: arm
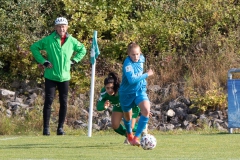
point(80, 51)
point(35, 49)
point(131, 76)
point(100, 105)
point(101, 101)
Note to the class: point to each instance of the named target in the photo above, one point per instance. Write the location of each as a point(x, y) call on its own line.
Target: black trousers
point(50, 89)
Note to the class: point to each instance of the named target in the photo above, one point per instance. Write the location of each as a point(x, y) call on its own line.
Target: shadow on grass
point(45, 146)
point(221, 133)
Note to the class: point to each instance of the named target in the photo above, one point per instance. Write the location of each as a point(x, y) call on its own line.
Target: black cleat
point(60, 131)
point(46, 132)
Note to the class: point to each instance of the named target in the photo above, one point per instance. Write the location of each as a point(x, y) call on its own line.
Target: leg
point(145, 131)
point(116, 123)
point(135, 114)
point(144, 104)
point(143, 120)
point(63, 97)
point(134, 124)
point(128, 121)
point(128, 124)
point(50, 87)
point(127, 103)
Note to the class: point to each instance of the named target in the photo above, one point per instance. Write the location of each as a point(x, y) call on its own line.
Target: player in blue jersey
point(132, 91)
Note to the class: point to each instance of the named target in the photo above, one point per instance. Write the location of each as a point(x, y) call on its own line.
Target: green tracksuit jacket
point(59, 56)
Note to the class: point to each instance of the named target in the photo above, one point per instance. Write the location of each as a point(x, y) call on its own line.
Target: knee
point(145, 112)
point(115, 126)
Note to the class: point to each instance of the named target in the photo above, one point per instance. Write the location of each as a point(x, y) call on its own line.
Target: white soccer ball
point(148, 142)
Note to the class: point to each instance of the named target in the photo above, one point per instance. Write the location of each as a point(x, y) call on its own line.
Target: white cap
point(61, 20)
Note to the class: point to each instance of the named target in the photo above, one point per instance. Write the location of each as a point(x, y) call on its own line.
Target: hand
point(73, 65)
point(150, 114)
point(107, 104)
point(73, 62)
point(41, 67)
point(47, 64)
point(150, 72)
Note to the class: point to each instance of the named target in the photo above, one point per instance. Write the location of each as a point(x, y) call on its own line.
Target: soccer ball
point(148, 142)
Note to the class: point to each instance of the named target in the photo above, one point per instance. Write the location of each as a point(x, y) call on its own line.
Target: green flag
point(94, 49)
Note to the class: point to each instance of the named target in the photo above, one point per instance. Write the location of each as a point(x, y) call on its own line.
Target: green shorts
point(135, 110)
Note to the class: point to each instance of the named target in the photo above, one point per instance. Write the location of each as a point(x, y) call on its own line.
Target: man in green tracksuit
point(59, 47)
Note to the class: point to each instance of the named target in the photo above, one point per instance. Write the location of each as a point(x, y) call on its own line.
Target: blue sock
point(141, 125)
point(128, 125)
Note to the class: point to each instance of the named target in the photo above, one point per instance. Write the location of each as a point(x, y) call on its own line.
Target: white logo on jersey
point(128, 68)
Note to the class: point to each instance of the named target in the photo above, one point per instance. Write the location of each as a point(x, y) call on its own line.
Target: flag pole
point(91, 100)
point(94, 54)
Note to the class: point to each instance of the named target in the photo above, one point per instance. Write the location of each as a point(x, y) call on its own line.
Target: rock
point(170, 127)
point(219, 127)
point(170, 113)
point(165, 127)
point(213, 114)
point(20, 100)
point(106, 120)
point(184, 100)
point(220, 114)
point(181, 113)
point(95, 127)
point(8, 113)
point(5, 93)
point(37, 91)
point(30, 101)
point(84, 112)
point(81, 126)
point(154, 88)
point(191, 118)
point(78, 122)
point(185, 123)
point(2, 109)
point(33, 96)
point(157, 107)
point(11, 104)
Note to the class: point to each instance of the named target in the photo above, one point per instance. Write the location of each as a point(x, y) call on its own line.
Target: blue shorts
point(128, 101)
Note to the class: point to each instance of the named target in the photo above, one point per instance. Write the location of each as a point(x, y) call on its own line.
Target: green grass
point(110, 146)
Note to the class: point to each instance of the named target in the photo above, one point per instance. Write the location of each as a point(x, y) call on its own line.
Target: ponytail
point(113, 78)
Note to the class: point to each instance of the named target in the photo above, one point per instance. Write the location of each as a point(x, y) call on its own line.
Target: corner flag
point(94, 54)
point(94, 49)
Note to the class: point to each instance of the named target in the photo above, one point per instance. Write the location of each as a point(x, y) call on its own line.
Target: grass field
point(98, 147)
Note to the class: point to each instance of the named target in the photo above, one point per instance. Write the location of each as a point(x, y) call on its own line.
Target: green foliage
point(213, 99)
point(20, 22)
point(178, 37)
point(27, 121)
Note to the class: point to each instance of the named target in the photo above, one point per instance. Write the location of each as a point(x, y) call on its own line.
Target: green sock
point(135, 127)
point(121, 130)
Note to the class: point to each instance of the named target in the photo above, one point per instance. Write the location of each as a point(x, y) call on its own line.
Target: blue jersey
point(133, 78)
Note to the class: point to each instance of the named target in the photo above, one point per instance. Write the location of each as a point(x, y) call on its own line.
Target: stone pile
point(171, 115)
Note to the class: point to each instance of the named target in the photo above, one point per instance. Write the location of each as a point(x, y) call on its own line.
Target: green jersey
point(114, 100)
point(104, 96)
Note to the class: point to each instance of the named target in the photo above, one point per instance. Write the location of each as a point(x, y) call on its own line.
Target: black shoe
point(46, 132)
point(60, 131)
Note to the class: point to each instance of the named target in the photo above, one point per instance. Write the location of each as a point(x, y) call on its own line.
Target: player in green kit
point(109, 97)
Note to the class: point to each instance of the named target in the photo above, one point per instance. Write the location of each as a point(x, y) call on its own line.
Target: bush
point(192, 42)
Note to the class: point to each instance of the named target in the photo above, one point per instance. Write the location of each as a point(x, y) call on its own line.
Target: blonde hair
point(132, 45)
